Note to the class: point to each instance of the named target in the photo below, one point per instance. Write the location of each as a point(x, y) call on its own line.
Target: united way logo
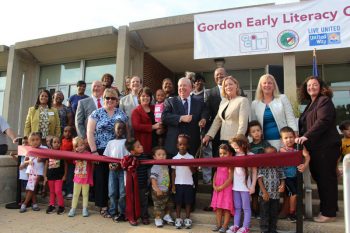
point(288, 39)
point(253, 42)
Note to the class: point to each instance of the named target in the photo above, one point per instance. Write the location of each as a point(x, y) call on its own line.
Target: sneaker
point(168, 219)
point(71, 213)
point(158, 222)
point(178, 223)
point(35, 207)
point(188, 223)
point(50, 209)
point(223, 230)
point(292, 218)
point(23, 208)
point(85, 212)
point(243, 230)
point(69, 196)
point(233, 229)
point(60, 210)
point(216, 228)
point(119, 218)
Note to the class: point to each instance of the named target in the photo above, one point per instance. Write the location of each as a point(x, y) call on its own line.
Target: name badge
point(51, 113)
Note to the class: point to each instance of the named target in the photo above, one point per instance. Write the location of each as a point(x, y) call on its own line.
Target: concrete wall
point(8, 174)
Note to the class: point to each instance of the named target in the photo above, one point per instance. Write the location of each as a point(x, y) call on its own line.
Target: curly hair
point(324, 89)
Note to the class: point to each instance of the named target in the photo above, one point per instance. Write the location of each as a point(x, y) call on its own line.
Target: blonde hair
point(110, 91)
point(77, 140)
point(238, 91)
point(259, 95)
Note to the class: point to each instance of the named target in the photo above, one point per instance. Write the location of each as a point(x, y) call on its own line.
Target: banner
point(321, 24)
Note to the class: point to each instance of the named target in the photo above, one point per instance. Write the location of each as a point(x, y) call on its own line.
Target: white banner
point(321, 24)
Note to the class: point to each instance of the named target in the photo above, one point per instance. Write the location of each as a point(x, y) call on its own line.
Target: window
point(95, 69)
point(2, 89)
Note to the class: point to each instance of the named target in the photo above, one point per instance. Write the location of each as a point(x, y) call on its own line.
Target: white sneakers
point(188, 223)
point(158, 222)
point(178, 223)
point(168, 219)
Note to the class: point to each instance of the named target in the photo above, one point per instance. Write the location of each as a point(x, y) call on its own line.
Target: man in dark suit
point(212, 106)
point(87, 106)
point(178, 121)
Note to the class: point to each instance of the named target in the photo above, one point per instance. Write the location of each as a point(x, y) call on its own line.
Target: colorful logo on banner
point(288, 39)
point(324, 35)
point(256, 41)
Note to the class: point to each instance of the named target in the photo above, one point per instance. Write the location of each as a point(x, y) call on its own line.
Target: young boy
point(182, 183)
point(271, 183)
point(290, 201)
point(67, 145)
point(160, 181)
point(136, 149)
point(116, 187)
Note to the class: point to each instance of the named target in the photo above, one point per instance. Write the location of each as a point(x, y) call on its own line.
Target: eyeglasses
point(110, 98)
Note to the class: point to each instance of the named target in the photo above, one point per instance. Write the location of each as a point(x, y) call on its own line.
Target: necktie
point(186, 106)
point(99, 103)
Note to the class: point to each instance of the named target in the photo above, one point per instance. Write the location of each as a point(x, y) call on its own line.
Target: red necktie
point(99, 103)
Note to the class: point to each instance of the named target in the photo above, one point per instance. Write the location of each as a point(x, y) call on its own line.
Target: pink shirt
point(158, 110)
point(83, 173)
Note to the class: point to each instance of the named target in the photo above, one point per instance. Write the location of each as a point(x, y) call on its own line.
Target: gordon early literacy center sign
point(321, 24)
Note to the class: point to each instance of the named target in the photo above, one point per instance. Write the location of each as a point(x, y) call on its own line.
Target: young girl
point(35, 169)
point(116, 187)
point(222, 196)
point(55, 173)
point(257, 146)
point(243, 185)
point(158, 110)
point(82, 178)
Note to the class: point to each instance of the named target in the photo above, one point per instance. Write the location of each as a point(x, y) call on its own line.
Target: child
point(160, 180)
point(257, 146)
point(182, 183)
point(23, 176)
point(82, 178)
point(35, 169)
point(271, 183)
point(48, 141)
point(116, 149)
point(55, 173)
point(67, 145)
point(222, 201)
point(136, 149)
point(158, 110)
point(345, 129)
point(243, 185)
point(290, 201)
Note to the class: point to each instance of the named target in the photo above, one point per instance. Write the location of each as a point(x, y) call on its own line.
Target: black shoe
point(60, 210)
point(119, 218)
point(50, 209)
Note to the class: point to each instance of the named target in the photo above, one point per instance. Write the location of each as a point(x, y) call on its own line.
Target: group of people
point(161, 125)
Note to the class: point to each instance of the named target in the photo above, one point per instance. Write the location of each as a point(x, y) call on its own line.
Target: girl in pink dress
point(222, 201)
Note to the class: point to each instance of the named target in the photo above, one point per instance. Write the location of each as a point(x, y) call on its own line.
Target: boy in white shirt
point(182, 183)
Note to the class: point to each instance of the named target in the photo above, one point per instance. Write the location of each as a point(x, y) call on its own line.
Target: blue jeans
point(115, 184)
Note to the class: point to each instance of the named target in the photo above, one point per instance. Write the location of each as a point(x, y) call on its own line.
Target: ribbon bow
point(130, 164)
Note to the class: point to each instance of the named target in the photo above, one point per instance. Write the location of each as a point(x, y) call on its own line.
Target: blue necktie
point(186, 106)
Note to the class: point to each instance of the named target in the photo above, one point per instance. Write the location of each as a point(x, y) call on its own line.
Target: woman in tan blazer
point(233, 113)
point(43, 117)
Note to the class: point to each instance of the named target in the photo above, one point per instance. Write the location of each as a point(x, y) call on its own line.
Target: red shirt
point(67, 144)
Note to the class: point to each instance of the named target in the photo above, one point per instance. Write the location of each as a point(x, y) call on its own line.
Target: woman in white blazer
point(233, 113)
point(272, 109)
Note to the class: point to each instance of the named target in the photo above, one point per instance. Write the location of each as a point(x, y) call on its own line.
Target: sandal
point(104, 213)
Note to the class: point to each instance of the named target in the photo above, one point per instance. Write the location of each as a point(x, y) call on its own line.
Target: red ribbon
point(130, 163)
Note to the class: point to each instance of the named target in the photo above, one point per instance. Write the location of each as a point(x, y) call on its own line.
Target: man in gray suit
point(87, 106)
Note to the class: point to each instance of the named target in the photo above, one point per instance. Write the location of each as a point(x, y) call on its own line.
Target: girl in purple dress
point(222, 201)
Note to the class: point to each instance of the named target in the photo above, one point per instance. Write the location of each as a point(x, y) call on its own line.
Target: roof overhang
point(94, 43)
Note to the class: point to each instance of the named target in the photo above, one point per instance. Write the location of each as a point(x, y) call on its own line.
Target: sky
point(22, 20)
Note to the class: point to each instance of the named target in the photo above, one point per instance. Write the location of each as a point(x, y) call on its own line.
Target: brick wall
point(154, 72)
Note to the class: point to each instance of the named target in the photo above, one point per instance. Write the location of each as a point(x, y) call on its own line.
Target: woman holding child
point(272, 109)
point(317, 127)
point(143, 120)
point(100, 130)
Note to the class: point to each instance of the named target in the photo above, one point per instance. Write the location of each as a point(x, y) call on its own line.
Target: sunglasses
point(110, 98)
